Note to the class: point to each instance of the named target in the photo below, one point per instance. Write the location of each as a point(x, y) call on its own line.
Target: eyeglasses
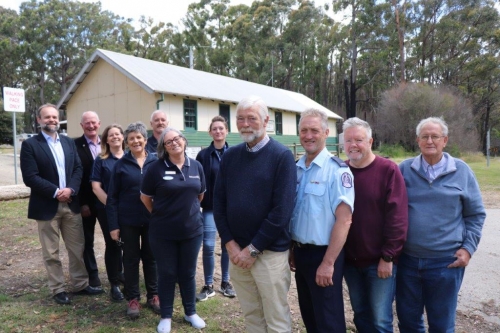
point(434, 138)
point(177, 140)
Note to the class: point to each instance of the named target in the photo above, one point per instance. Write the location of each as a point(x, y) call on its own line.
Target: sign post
point(14, 101)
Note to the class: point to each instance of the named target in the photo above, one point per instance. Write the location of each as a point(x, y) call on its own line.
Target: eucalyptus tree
point(154, 40)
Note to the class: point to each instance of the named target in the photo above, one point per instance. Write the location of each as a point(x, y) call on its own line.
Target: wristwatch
point(387, 258)
point(254, 253)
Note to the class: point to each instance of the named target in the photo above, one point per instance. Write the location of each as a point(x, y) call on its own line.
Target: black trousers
point(322, 308)
point(136, 248)
point(113, 252)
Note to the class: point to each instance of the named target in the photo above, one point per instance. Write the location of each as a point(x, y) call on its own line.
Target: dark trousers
point(88, 252)
point(176, 263)
point(113, 253)
point(322, 308)
point(136, 248)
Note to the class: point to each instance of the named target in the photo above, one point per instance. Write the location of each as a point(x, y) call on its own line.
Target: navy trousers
point(322, 308)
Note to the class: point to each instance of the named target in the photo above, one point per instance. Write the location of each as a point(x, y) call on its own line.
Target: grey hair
point(162, 152)
point(156, 112)
point(435, 120)
point(315, 113)
point(250, 101)
point(138, 127)
point(89, 112)
point(356, 122)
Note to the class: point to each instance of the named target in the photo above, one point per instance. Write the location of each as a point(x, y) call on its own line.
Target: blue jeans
point(371, 298)
point(176, 262)
point(427, 283)
point(209, 235)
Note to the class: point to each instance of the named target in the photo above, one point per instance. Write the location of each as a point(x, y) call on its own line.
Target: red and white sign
point(13, 99)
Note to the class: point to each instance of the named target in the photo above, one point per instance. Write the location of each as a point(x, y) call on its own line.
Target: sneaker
point(195, 321)
point(133, 309)
point(226, 288)
point(164, 326)
point(154, 304)
point(206, 292)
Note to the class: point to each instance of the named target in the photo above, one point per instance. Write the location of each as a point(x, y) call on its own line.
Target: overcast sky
point(168, 11)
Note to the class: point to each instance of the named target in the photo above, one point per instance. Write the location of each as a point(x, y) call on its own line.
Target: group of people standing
point(393, 232)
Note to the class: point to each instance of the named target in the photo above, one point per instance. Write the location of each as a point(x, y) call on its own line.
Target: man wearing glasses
point(446, 217)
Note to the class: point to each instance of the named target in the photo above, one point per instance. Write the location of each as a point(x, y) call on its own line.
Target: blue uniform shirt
point(320, 189)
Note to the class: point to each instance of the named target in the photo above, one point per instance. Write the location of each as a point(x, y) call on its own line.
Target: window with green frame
point(190, 114)
point(297, 121)
point(278, 123)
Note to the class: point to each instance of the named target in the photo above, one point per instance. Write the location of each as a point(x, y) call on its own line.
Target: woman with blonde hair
point(112, 149)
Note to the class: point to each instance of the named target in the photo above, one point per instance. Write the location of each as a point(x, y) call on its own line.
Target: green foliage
point(404, 106)
point(392, 151)
point(454, 150)
point(346, 66)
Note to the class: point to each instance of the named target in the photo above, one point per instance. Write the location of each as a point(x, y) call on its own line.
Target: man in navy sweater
point(253, 201)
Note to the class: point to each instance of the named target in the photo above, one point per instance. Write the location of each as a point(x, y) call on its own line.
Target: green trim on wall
point(202, 139)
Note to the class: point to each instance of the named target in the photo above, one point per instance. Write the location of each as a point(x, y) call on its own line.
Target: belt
point(307, 246)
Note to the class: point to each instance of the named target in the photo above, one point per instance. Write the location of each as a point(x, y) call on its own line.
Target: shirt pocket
point(315, 188)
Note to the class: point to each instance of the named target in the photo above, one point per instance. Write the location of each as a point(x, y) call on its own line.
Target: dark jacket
point(210, 162)
point(39, 171)
point(86, 196)
point(124, 205)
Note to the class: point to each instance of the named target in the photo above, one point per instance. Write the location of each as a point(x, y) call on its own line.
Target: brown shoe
point(154, 304)
point(133, 309)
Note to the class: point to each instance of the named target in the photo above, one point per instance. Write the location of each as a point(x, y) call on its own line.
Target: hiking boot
point(206, 292)
point(226, 288)
point(154, 304)
point(133, 308)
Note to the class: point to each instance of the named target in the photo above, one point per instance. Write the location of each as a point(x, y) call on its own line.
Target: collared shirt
point(58, 154)
point(175, 192)
point(259, 145)
point(433, 171)
point(321, 187)
point(95, 148)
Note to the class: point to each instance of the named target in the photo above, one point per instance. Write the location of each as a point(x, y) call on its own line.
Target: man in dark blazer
point(88, 147)
point(51, 168)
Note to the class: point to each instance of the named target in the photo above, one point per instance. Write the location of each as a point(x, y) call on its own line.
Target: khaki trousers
point(70, 227)
point(263, 293)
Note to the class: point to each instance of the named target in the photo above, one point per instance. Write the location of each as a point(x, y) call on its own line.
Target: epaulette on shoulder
point(339, 161)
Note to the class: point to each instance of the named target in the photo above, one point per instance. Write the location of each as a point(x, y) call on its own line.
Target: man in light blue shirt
point(52, 169)
point(319, 226)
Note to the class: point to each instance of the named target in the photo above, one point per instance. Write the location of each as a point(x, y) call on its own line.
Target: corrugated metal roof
point(154, 76)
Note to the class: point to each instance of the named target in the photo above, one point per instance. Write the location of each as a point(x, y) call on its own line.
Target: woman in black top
point(172, 190)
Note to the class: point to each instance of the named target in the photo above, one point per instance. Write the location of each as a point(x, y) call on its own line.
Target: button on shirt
point(95, 148)
point(58, 154)
point(321, 187)
point(433, 171)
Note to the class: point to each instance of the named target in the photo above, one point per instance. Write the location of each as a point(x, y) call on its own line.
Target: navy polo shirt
point(101, 172)
point(176, 209)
